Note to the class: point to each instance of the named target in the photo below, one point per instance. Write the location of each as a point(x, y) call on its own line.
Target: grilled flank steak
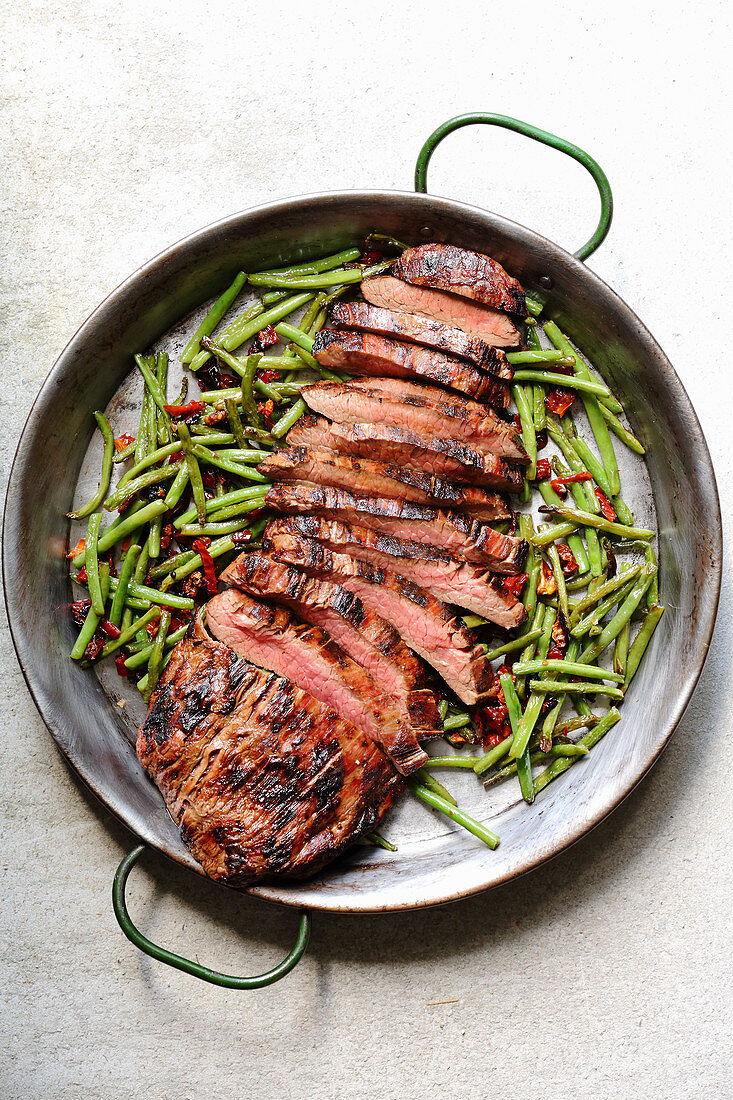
point(263, 780)
point(459, 271)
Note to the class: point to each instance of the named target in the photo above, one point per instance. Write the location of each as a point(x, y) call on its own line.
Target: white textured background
point(125, 126)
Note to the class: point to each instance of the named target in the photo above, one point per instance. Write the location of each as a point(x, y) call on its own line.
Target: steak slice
point(488, 324)
point(363, 353)
point(264, 781)
point(270, 638)
point(364, 476)
point(367, 638)
point(452, 581)
point(421, 409)
point(470, 274)
point(421, 330)
point(432, 455)
point(449, 531)
point(427, 625)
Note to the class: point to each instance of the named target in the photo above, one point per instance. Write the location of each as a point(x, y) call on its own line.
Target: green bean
point(154, 595)
point(122, 527)
point(593, 464)
point(622, 616)
point(550, 687)
point(328, 263)
point(296, 335)
point(171, 564)
point(156, 532)
point(534, 305)
point(91, 621)
point(652, 596)
point(129, 633)
point(216, 504)
point(605, 589)
point(495, 753)
point(539, 355)
point(575, 542)
point(619, 430)
point(589, 624)
point(125, 453)
point(141, 441)
point(161, 377)
point(573, 724)
point(243, 328)
point(566, 381)
point(597, 423)
point(524, 768)
point(238, 468)
point(142, 683)
point(380, 241)
point(282, 426)
point(427, 780)
point(566, 668)
point(453, 812)
point(211, 530)
point(621, 651)
point(569, 750)
point(592, 738)
point(236, 423)
point(520, 740)
point(213, 317)
point(451, 762)
point(641, 641)
point(218, 547)
point(136, 660)
point(157, 654)
point(553, 533)
point(529, 437)
point(562, 592)
point(524, 774)
point(248, 402)
point(126, 571)
point(143, 364)
point(178, 487)
point(623, 512)
point(457, 722)
point(588, 519)
point(194, 471)
point(581, 581)
point(92, 563)
point(144, 481)
point(317, 281)
point(109, 450)
point(513, 645)
point(208, 439)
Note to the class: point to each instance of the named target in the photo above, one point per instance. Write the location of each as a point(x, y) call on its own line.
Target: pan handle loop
point(481, 117)
point(229, 981)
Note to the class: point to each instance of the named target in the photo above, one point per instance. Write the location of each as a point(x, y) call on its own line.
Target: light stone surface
point(607, 972)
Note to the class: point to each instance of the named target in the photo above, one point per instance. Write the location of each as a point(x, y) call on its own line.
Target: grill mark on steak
point(422, 409)
point(453, 581)
point(363, 353)
point(484, 322)
point(450, 531)
point(270, 637)
point(421, 330)
point(428, 625)
point(365, 476)
point(448, 459)
point(468, 274)
point(365, 636)
point(274, 786)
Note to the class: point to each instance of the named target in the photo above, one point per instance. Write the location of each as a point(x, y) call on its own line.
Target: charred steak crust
point(263, 780)
point(459, 271)
point(421, 330)
point(364, 353)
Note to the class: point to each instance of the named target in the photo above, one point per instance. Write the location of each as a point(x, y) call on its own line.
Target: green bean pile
point(191, 494)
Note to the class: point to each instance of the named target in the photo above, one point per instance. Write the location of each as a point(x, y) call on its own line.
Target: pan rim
point(709, 591)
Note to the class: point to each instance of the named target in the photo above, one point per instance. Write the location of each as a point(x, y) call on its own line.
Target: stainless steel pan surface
point(674, 488)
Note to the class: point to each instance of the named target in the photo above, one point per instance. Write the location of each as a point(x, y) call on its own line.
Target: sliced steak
point(264, 781)
point(363, 353)
point(367, 638)
point(364, 476)
point(456, 582)
point(488, 324)
point(427, 625)
point(421, 330)
point(270, 638)
point(421, 409)
point(469, 274)
point(449, 531)
point(431, 455)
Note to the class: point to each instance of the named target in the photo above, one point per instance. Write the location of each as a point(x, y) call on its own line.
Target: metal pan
point(434, 863)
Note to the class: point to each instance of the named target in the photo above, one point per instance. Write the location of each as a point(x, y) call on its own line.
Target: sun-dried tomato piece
point(607, 508)
point(558, 401)
point(371, 257)
point(266, 410)
point(177, 411)
point(544, 470)
point(109, 628)
point(541, 437)
point(215, 417)
point(192, 583)
point(79, 610)
point(265, 338)
point(123, 442)
point(81, 576)
point(514, 584)
point(559, 638)
point(94, 648)
point(78, 549)
point(546, 585)
point(268, 375)
point(567, 559)
point(202, 547)
point(120, 663)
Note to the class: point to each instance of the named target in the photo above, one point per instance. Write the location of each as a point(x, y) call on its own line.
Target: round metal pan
point(435, 863)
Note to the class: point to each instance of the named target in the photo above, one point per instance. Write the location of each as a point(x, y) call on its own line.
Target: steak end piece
point(264, 781)
point(469, 274)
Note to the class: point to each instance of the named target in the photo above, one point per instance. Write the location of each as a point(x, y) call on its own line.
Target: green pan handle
point(229, 981)
point(482, 118)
